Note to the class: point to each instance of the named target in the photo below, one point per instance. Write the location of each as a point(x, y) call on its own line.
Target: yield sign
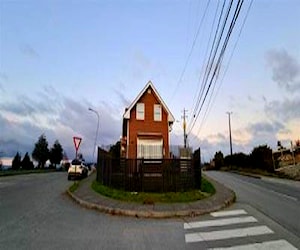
point(77, 141)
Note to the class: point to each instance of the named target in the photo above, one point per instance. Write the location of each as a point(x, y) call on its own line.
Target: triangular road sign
point(77, 141)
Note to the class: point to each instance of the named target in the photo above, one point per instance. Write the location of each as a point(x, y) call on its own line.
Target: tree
point(56, 153)
point(261, 158)
point(115, 150)
point(219, 160)
point(26, 162)
point(16, 163)
point(239, 160)
point(41, 151)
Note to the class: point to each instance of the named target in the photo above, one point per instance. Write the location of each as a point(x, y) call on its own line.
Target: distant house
point(146, 126)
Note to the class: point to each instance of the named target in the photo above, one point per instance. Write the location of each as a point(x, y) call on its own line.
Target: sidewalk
point(88, 198)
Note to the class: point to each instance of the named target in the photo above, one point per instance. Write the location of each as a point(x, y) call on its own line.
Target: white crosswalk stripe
point(268, 245)
point(219, 229)
point(220, 222)
point(227, 234)
point(228, 213)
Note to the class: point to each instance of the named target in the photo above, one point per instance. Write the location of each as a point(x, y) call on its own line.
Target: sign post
point(77, 141)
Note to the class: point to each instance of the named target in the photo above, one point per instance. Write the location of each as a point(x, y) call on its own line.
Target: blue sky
point(58, 58)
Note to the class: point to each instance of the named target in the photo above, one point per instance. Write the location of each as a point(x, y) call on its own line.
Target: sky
point(60, 58)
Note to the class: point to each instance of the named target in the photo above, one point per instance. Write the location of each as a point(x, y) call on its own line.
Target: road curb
point(144, 213)
point(150, 214)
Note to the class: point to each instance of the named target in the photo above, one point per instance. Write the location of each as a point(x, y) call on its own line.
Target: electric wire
point(199, 87)
point(209, 107)
point(214, 76)
point(191, 50)
point(210, 63)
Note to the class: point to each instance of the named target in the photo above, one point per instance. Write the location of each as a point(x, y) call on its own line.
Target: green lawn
point(19, 172)
point(207, 189)
point(74, 186)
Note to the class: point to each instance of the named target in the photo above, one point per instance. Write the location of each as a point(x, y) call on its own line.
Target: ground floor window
point(150, 148)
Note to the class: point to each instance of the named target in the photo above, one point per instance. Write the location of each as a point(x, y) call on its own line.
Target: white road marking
point(268, 245)
point(268, 190)
point(284, 195)
point(219, 222)
point(227, 234)
point(228, 213)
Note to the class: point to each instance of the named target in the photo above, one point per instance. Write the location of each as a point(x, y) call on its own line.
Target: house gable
point(149, 86)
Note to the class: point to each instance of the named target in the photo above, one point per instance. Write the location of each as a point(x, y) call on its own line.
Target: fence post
point(99, 167)
point(197, 168)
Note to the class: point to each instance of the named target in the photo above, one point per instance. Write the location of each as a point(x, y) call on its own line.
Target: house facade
point(146, 126)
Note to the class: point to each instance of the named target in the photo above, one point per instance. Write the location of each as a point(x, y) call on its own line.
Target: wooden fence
point(155, 175)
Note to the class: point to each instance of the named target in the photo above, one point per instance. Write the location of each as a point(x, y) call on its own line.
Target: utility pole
point(293, 153)
point(184, 127)
point(229, 113)
point(94, 111)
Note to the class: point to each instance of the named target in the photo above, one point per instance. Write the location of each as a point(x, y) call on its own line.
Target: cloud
point(141, 59)
point(265, 128)
point(288, 109)
point(29, 51)
point(3, 80)
point(243, 139)
point(57, 116)
point(125, 102)
point(25, 106)
point(285, 69)
point(19, 137)
point(216, 138)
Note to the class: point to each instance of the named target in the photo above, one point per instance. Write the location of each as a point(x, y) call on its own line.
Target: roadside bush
point(261, 158)
point(239, 160)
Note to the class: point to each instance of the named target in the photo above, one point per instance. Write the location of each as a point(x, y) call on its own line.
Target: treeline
point(41, 154)
point(259, 158)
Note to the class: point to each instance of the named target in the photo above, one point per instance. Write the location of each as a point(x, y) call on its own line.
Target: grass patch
point(151, 198)
point(74, 187)
point(207, 187)
point(22, 172)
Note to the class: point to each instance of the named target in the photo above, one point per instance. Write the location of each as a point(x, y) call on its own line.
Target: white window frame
point(140, 111)
point(150, 148)
point(157, 111)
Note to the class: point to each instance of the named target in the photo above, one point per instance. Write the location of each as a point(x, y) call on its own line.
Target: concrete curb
point(146, 213)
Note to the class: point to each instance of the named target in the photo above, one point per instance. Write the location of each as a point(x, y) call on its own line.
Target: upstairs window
point(140, 111)
point(157, 113)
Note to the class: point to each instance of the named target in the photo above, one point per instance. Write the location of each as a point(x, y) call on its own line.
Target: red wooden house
point(146, 126)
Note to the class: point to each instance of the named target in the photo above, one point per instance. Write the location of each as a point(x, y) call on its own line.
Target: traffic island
point(88, 198)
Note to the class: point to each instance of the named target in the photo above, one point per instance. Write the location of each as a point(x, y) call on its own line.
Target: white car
point(77, 169)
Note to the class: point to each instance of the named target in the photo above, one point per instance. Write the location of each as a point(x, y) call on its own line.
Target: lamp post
point(94, 111)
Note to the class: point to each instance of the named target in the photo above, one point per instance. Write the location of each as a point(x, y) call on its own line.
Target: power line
point(199, 90)
point(191, 50)
point(211, 59)
point(214, 71)
point(209, 107)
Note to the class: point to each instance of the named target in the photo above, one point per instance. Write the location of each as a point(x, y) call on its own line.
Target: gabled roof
point(171, 118)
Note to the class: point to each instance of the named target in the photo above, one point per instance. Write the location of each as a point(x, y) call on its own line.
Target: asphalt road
point(279, 199)
point(35, 213)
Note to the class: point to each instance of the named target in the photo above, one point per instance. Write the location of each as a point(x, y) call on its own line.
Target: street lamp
point(92, 110)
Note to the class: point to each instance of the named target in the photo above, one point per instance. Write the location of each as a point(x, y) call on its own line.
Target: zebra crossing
point(233, 230)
